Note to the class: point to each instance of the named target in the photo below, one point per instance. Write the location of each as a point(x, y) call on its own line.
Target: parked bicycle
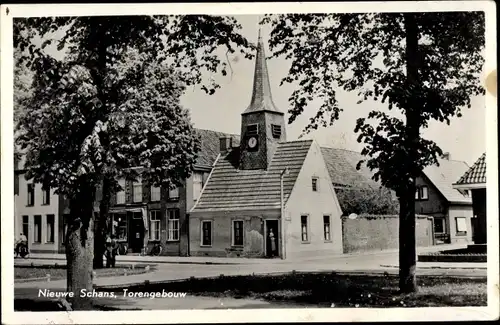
point(156, 250)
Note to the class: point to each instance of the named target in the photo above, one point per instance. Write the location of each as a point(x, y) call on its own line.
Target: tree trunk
point(101, 225)
point(407, 241)
point(79, 248)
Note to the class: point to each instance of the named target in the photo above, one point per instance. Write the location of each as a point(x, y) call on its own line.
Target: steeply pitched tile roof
point(443, 176)
point(229, 188)
point(341, 166)
point(476, 174)
point(210, 146)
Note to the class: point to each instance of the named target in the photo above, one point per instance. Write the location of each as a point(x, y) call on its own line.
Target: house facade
point(140, 216)
point(257, 201)
point(450, 208)
point(474, 180)
point(37, 213)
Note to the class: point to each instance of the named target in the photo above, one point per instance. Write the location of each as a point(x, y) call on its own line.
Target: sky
point(464, 138)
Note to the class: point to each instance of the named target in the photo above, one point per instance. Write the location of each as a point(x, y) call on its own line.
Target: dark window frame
point(304, 236)
point(327, 234)
point(31, 194)
point(51, 238)
point(210, 235)
point(37, 219)
point(237, 232)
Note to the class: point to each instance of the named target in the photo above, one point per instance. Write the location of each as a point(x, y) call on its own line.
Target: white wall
point(22, 209)
point(460, 211)
point(303, 201)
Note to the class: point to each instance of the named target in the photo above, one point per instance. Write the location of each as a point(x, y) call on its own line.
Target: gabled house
point(451, 208)
point(267, 196)
point(474, 180)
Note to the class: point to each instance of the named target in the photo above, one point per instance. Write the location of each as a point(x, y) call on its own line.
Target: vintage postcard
point(249, 162)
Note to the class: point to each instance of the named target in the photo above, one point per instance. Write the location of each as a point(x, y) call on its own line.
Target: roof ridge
point(327, 147)
point(200, 129)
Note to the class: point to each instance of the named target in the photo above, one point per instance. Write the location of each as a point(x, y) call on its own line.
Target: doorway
point(272, 238)
point(136, 232)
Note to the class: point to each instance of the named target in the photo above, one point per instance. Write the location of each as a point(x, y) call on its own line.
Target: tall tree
point(97, 113)
point(426, 65)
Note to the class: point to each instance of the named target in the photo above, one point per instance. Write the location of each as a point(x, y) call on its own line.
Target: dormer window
point(276, 130)
point(252, 129)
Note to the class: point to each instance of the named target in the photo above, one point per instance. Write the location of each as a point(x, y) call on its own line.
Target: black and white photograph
point(248, 162)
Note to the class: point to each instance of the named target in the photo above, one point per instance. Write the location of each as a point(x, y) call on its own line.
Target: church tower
point(262, 124)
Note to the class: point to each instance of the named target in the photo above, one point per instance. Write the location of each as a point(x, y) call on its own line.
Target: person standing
point(272, 240)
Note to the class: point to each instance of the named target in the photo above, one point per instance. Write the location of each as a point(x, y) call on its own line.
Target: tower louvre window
point(252, 129)
point(276, 130)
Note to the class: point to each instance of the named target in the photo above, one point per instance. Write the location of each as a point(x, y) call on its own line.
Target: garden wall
point(380, 232)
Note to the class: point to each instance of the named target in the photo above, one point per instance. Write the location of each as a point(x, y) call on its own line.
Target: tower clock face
point(252, 142)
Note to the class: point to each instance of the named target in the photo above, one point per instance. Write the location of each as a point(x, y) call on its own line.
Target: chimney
point(226, 143)
point(446, 156)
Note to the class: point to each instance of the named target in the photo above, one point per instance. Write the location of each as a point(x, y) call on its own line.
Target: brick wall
point(375, 233)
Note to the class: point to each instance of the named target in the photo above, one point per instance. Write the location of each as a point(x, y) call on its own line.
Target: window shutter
point(128, 191)
point(112, 199)
point(146, 192)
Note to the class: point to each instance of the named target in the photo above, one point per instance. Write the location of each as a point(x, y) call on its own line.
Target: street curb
point(153, 262)
point(441, 267)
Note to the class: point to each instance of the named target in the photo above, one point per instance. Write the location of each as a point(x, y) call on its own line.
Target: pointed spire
point(261, 95)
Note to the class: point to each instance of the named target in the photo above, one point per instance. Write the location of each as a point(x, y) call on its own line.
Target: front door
point(136, 232)
point(272, 238)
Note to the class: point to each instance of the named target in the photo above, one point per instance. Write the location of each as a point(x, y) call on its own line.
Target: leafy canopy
point(112, 103)
point(366, 53)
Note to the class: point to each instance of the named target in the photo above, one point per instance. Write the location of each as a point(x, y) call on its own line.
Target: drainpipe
point(282, 201)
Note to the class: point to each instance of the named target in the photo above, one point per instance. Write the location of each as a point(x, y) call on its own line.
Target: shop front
point(130, 228)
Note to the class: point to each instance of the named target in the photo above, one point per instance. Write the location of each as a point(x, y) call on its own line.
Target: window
point(237, 233)
point(173, 224)
point(26, 226)
point(252, 129)
point(206, 233)
point(50, 228)
point(46, 196)
point(326, 227)
point(38, 229)
point(120, 195)
point(314, 181)
point(439, 225)
point(303, 227)
point(461, 225)
point(155, 193)
point(119, 228)
point(276, 130)
point(197, 185)
point(173, 193)
point(424, 195)
point(31, 194)
point(154, 225)
point(137, 191)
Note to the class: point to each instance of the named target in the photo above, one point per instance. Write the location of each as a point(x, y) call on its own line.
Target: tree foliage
point(111, 104)
point(366, 201)
point(111, 115)
point(366, 53)
point(425, 65)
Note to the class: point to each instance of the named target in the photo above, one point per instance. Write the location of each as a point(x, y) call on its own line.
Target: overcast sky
point(464, 138)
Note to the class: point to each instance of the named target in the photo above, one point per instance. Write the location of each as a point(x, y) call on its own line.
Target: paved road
point(372, 263)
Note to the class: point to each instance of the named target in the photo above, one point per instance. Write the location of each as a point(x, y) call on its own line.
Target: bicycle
point(156, 250)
